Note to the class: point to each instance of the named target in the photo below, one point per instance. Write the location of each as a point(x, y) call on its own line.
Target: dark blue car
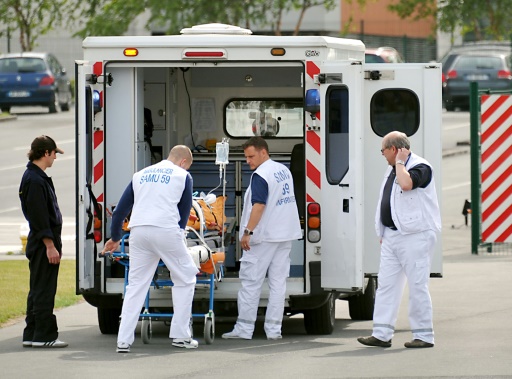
point(33, 79)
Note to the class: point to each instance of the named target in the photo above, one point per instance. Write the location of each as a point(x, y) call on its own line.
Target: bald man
point(160, 198)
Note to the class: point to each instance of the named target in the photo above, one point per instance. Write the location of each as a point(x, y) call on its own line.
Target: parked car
point(489, 68)
point(483, 47)
point(33, 79)
point(382, 55)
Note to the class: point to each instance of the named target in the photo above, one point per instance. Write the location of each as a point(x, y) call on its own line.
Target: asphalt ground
point(472, 321)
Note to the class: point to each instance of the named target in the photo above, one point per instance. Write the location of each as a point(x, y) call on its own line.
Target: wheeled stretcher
point(209, 259)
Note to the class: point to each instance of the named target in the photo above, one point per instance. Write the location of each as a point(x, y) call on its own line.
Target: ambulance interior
point(198, 106)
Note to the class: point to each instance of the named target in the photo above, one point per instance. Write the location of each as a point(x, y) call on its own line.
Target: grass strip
point(14, 284)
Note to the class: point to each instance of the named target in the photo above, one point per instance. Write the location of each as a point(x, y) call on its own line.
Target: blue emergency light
point(96, 101)
point(312, 101)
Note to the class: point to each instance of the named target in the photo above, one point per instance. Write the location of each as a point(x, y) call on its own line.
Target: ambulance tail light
point(98, 235)
point(313, 217)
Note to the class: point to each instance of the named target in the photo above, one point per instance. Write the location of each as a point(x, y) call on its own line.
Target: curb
point(7, 118)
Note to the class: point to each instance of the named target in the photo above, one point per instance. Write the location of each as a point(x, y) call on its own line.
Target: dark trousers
point(41, 322)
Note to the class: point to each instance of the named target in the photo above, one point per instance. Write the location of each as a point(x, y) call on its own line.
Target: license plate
point(19, 94)
point(477, 77)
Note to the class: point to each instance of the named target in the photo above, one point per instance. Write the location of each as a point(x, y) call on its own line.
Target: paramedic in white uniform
point(269, 224)
point(407, 220)
point(160, 198)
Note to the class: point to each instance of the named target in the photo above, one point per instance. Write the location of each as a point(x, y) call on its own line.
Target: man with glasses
point(406, 220)
point(44, 244)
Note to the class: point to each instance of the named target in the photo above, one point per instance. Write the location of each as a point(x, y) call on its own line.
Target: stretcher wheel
point(146, 330)
point(209, 333)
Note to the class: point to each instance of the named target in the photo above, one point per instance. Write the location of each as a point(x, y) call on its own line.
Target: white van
point(323, 112)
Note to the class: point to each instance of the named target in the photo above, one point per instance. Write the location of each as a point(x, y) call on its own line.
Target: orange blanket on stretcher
point(213, 214)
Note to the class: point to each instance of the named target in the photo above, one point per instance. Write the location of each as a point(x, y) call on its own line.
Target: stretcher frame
point(209, 279)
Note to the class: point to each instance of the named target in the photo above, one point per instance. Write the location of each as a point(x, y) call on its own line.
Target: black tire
point(108, 320)
point(321, 320)
point(209, 334)
point(6, 109)
point(449, 107)
point(146, 331)
point(361, 306)
point(64, 107)
point(52, 108)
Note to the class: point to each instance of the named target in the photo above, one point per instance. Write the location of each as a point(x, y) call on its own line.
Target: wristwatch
point(400, 162)
point(247, 232)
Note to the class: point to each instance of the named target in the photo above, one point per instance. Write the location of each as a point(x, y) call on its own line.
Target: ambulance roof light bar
point(216, 28)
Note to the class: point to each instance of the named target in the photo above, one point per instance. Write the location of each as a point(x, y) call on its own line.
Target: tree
point(483, 18)
point(113, 17)
point(32, 18)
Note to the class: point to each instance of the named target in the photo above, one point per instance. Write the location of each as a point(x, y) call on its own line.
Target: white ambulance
point(323, 112)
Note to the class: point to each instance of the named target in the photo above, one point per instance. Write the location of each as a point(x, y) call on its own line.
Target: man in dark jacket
point(44, 245)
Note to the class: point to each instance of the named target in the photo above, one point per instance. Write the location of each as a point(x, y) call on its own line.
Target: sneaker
point(418, 344)
point(123, 347)
point(56, 343)
point(372, 341)
point(187, 343)
point(276, 337)
point(235, 336)
point(27, 343)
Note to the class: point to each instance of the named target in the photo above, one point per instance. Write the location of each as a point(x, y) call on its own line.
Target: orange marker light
point(130, 52)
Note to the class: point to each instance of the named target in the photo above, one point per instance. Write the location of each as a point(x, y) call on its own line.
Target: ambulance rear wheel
point(146, 330)
point(321, 320)
point(360, 307)
point(209, 334)
point(108, 320)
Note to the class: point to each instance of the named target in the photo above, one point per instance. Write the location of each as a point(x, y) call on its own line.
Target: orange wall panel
point(378, 20)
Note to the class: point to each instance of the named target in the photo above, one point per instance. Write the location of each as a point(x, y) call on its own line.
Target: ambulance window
point(337, 143)
point(395, 109)
point(89, 133)
point(270, 118)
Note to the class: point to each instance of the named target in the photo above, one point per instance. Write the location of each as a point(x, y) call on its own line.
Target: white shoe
point(276, 337)
point(27, 343)
point(235, 336)
point(56, 343)
point(187, 343)
point(123, 347)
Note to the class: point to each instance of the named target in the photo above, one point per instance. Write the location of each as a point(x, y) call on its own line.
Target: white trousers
point(404, 258)
point(272, 258)
point(149, 244)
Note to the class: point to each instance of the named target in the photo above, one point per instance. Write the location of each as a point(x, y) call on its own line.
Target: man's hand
point(402, 154)
point(53, 255)
point(110, 247)
point(244, 243)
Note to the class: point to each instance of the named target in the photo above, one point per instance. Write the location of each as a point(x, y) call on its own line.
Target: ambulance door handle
point(343, 185)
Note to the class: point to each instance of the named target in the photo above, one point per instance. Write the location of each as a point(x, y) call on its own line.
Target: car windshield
point(372, 58)
point(471, 62)
point(20, 65)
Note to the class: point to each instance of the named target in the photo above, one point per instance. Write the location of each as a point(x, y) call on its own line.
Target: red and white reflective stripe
point(98, 149)
point(313, 149)
point(496, 168)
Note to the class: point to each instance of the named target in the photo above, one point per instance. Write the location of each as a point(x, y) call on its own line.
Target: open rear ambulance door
point(341, 179)
point(85, 245)
point(404, 97)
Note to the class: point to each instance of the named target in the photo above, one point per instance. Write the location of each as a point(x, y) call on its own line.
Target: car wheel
point(64, 107)
point(53, 106)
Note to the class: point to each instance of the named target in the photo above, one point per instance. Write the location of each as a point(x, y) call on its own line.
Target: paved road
point(472, 313)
